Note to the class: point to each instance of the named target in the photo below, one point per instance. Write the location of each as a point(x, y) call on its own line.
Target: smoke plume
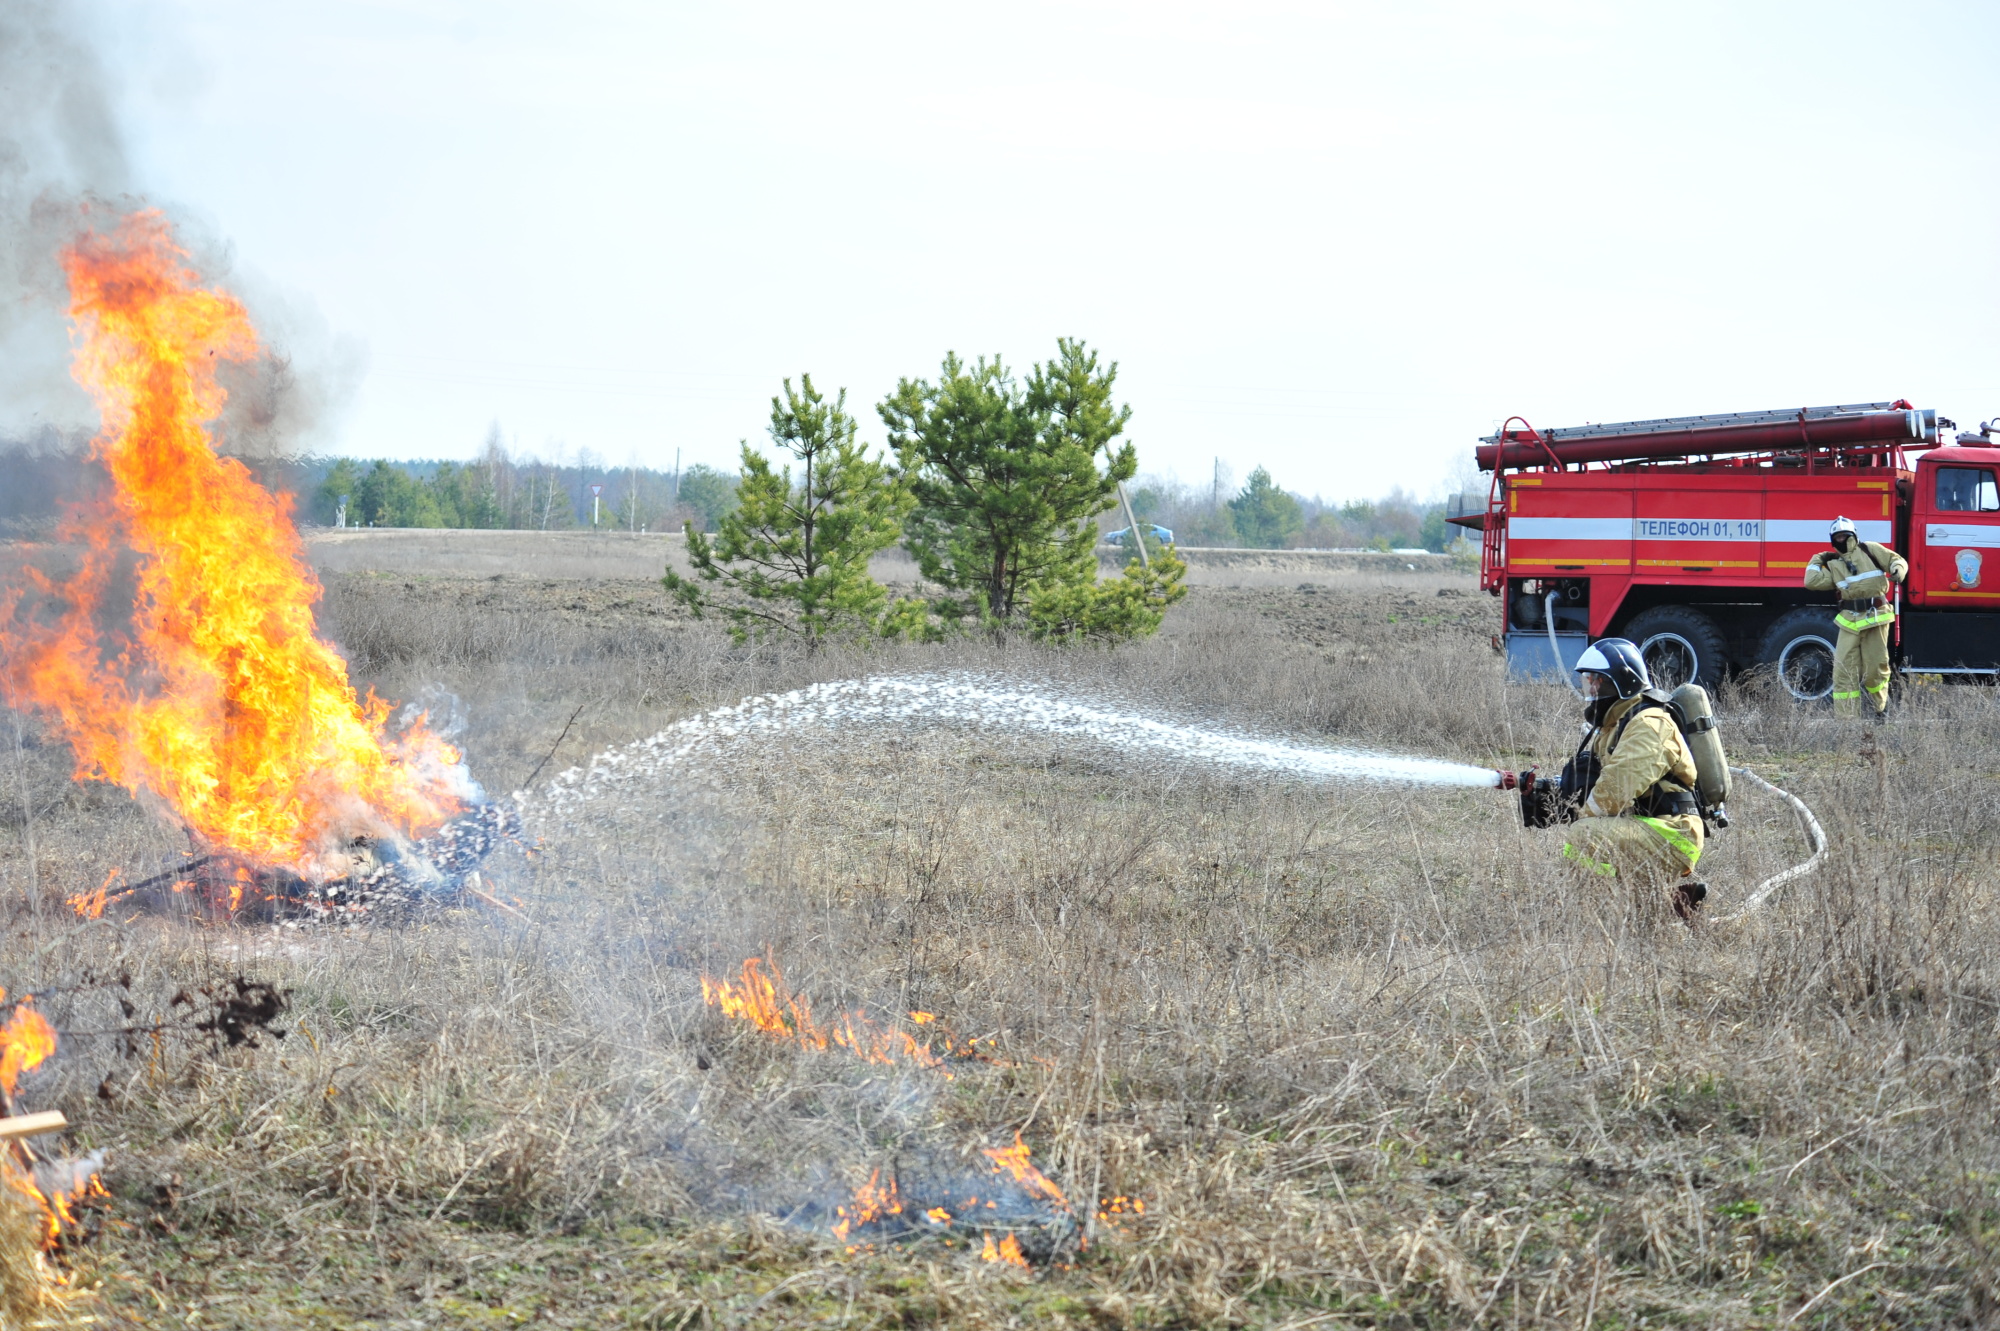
point(63, 165)
point(59, 144)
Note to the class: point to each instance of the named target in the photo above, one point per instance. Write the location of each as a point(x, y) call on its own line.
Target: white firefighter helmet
point(1841, 525)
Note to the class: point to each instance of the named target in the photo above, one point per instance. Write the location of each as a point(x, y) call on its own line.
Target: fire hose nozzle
point(1508, 781)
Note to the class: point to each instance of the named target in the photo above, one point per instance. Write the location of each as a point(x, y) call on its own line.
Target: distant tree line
point(500, 490)
point(39, 477)
point(1261, 515)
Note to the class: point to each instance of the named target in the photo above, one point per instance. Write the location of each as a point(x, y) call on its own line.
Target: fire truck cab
point(1691, 535)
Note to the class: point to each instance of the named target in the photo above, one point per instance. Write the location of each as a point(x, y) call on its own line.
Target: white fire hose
point(1549, 619)
point(1814, 834)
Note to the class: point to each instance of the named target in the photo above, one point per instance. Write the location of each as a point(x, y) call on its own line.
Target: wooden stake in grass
point(32, 1125)
point(1132, 527)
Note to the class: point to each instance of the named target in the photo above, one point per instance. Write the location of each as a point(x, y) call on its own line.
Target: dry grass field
point(1366, 1054)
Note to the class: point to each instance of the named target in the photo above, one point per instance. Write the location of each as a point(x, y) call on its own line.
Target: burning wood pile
point(182, 660)
point(385, 880)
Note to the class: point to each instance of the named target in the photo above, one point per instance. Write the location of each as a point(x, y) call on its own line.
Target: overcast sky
point(1339, 240)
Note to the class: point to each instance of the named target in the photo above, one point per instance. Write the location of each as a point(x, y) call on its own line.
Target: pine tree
point(709, 492)
point(1006, 480)
point(793, 557)
point(1266, 517)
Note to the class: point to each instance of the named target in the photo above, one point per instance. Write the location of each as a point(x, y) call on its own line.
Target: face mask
point(1596, 688)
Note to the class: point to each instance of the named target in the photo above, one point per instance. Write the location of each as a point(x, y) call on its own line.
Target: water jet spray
point(991, 705)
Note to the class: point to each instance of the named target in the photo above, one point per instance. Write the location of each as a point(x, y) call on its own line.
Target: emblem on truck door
point(1968, 569)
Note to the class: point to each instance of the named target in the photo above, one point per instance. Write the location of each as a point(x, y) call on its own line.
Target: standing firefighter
point(1859, 573)
point(1630, 794)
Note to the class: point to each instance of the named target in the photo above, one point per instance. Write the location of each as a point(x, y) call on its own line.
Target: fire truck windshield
point(1967, 490)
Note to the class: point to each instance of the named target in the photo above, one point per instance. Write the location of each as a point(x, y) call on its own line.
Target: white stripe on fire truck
point(1782, 531)
point(1812, 531)
point(1569, 529)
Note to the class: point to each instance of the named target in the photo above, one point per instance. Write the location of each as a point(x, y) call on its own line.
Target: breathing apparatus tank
point(1704, 741)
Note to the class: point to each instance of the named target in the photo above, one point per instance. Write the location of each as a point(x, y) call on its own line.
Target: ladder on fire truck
point(1849, 427)
point(1670, 425)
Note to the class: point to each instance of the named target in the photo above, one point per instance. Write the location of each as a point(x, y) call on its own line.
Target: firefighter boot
point(1687, 901)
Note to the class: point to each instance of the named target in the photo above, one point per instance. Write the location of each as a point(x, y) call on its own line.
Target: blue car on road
point(1154, 530)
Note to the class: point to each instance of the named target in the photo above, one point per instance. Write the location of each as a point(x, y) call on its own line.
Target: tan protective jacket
point(1860, 579)
point(1650, 752)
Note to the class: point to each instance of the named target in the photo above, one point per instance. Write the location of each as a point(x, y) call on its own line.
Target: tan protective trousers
point(1861, 665)
point(1634, 850)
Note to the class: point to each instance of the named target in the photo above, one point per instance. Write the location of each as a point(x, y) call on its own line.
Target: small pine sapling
point(792, 556)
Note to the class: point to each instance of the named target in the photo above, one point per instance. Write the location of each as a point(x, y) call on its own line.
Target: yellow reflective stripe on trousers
point(1856, 623)
point(1603, 868)
point(1676, 838)
point(1851, 693)
point(1879, 688)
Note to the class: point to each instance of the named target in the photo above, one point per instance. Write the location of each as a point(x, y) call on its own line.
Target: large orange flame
point(214, 694)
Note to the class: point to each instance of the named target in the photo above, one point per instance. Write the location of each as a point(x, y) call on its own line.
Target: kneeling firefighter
point(1636, 797)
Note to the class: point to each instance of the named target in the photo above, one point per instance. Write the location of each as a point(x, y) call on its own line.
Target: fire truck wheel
point(1679, 644)
point(1798, 648)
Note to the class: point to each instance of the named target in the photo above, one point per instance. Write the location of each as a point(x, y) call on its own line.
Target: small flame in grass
point(1014, 1160)
point(877, 1204)
point(873, 1203)
point(763, 1000)
point(26, 1042)
point(1007, 1250)
point(91, 905)
point(1110, 1210)
point(58, 1204)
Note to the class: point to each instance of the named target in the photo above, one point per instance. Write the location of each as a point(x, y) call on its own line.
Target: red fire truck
point(1691, 535)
